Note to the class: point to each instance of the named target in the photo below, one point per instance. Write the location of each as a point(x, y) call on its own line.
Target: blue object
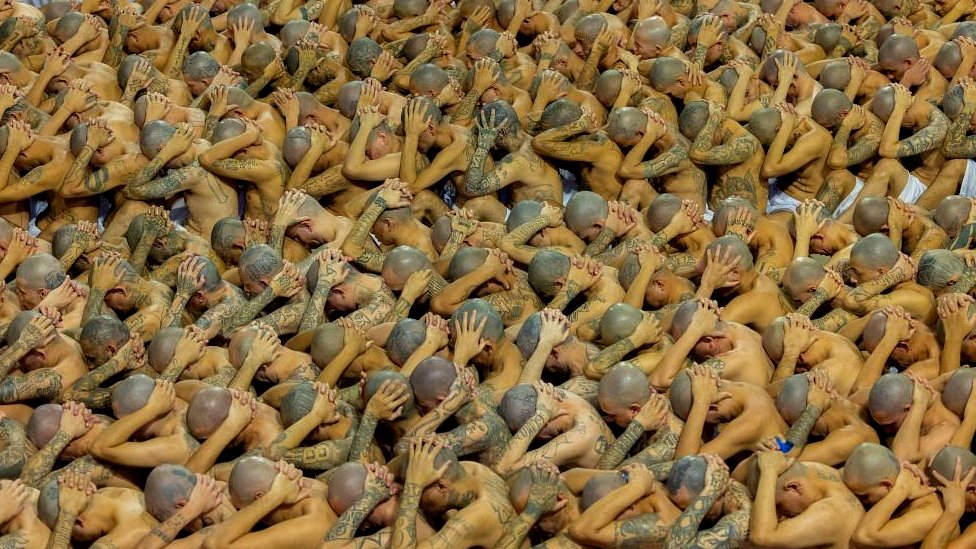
point(784, 445)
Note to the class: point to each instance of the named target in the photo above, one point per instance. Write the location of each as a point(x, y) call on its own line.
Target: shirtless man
point(720, 141)
point(909, 409)
point(910, 230)
point(573, 429)
point(903, 508)
point(900, 60)
point(744, 411)
point(48, 361)
point(809, 401)
point(773, 249)
point(109, 517)
point(114, 284)
point(804, 495)
point(796, 157)
point(561, 280)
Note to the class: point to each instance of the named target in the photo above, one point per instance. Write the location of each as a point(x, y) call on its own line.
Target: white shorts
point(849, 199)
point(913, 190)
point(708, 214)
point(779, 200)
point(968, 186)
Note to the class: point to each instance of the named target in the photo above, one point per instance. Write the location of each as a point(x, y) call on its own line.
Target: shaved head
point(624, 385)
point(518, 406)
point(101, 337)
point(131, 394)
point(428, 80)
point(890, 398)
point(607, 87)
point(735, 247)
point(465, 261)
point(168, 488)
point(939, 269)
point(598, 486)
point(327, 340)
point(772, 338)
point(585, 210)
point(626, 125)
point(250, 479)
point(559, 113)
point(897, 50)
point(693, 118)
point(944, 462)
point(802, 275)
point(952, 213)
point(665, 72)
point(298, 403)
point(680, 394)
point(687, 473)
point(883, 102)
point(835, 75)
point(792, 398)
point(405, 337)
point(829, 107)
point(662, 211)
point(401, 262)
point(207, 411)
point(40, 271)
point(431, 381)
point(43, 424)
point(874, 251)
point(726, 208)
point(868, 465)
point(545, 270)
point(528, 336)
point(871, 215)
point(522, 212)
point(948, 59)
point(480, 309)
point(653, 31)
point(346, 486)
point(619, 321)
point(957, 389)
point(764, 124)
point(361, 55)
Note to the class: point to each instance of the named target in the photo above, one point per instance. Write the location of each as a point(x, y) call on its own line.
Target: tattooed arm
point(322, 456)
point(925, 139)
point(181, 179)
point(514, 243)
point(621, 447)
point(598, 527)
point(344, 530)
point(800, 430)
point(517, 448)
point(355, 243)
point(41, 463)
point(44, 383)
point(315, 309)
point(88, 388)
point(958, 144)
point(478, 183)
point(247, 311)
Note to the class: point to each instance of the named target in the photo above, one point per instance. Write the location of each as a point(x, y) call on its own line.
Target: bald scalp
point(626, 124)
point(131, 394)
point(207, 411)
point(952, 213)
point(772, 338)
point(792, 398)
point(346, 486)
point(764, 124)
point(103, 334)
point(599, 486)
point(43, 424)
point(259, 262)
point(518, 406)
point(585, 210)
point(361, 55)
point(871, 215)
point(897, 50)
point(938, 269)
point(662, 211)
point(680, 394)
point(465, 261)
point(726, 208)
point(692, 119)
point(835, 75)
point(665, 72)
point(297, 143)
point(405, 337)
point(890, 396)
point(736, 248)
point(948, 59)
point(883, 102)
point(944, 462)
point(687, 473)
point(870, 464)
point(957, 389)
point(401, 262)
point(521, 213)
point(589, 27)
point(250, 479)
point(546, 267)
point(619, 321)
point(607, 87)
point(624, 385)
point(559, 113)
point(428, 79)
point(802, 274)
point(431, 380)
point(161, 349)
point(168, 487)
point(17, 326)
point(40, 271)
point(483, 42)
point(327, 340)
point(480, 309)
point(654, 31)
point(297, 403)
point(875, 251)
point(829, 107)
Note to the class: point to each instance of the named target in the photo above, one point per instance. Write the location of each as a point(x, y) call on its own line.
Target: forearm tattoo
point(800, 430)
point(621, 447)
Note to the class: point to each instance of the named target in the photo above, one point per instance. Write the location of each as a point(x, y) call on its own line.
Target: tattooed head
point(518, 406)
point(47, 503)
point(622, 392)
point(168, 488)
point(830, 107)
point(257, 266)
point(207, 411)
point(405, 337)
point(40, 271)
point(952, 213)
point(428, 81)
point(870, 471)
point(494, 330)
point(836, 74)
point(101, 337)
point(618, 322)
point(250, 479)
point(482, 43)
point(586, 214)
point(131, 394)
point(889, 400)
point(939, 270)
point(431, 381)
point(161, 349)
point(764, 124)
point(957, 389)
point(528, 336)
point(227, 238)
point(327, 340)
point(953, 101)
point(599, 486)
point(559, 113)
point(687, 479)
point(44, 424)
point(361, 55)
point(297, 403)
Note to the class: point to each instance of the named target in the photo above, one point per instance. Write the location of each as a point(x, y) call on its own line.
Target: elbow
point(887, 151)
point(867, 538)
point(440, 306)
point(768, 171)
point(579, 533)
